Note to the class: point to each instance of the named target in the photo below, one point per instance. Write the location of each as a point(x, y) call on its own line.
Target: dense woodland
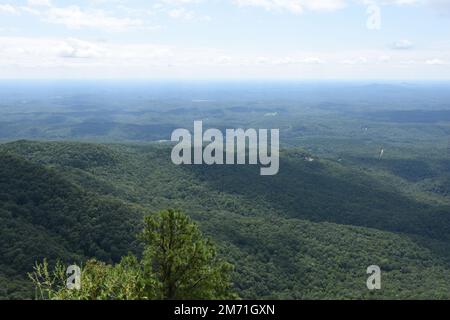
point(309, 232)
point(94, 160)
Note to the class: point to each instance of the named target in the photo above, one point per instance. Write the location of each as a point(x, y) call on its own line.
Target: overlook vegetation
point(177, 263)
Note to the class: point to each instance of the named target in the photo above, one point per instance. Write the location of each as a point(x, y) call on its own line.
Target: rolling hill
point(309, 232)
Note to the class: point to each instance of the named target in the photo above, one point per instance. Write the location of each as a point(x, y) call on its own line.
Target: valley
point(76, 187)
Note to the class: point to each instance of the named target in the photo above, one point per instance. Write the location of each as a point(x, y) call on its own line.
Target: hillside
point(309, 232)
point(42, 214)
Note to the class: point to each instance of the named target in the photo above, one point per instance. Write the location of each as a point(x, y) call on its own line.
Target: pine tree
point(185, 263)
point(177, 263)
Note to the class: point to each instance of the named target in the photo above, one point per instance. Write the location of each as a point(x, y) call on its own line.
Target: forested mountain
point(309, 232)
point(45, 215)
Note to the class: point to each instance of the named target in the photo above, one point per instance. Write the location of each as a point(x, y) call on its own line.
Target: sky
point(225, 39)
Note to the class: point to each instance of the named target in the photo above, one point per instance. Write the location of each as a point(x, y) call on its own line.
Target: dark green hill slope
point(44, 215)
point(309, 232)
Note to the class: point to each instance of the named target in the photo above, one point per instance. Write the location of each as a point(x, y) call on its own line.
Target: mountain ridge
point(280, 235)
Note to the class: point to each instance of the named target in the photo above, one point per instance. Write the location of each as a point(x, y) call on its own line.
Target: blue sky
point(270, 39)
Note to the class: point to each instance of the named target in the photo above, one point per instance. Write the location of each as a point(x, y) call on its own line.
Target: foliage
point(309, 232)
point(185, 263)
point(178, 263)
point(123, 281)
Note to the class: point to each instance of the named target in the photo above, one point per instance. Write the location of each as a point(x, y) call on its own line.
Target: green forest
point(309, 232)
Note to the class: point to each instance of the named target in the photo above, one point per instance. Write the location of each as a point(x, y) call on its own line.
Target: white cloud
point(75, 48)
point(299, 6)
point(395, 2)
point(223, 60)
point(75, 18)
point(262, 60)
point(274, 61)
point(270, 5)
point(402, 45)
point(180, 2)
point(75, 58)
point(22, 49)
point(408, 62)
point(313, 60)
point(294, 6)
point(435, 62)
point(181, 13)
point(324, 5)
point(9, 9)
point(285, 60)
point(384, 58)
point(39, 3)
point(352, 61)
